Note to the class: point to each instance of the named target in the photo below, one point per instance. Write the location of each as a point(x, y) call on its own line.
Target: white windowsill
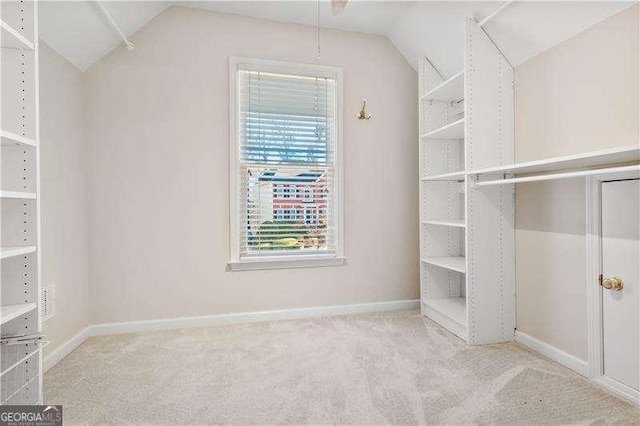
point(287, 262)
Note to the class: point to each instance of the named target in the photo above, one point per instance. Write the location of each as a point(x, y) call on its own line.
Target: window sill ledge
point(286, 263)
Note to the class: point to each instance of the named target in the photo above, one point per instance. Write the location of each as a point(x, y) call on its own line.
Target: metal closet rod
point(561, 175)
point(129, 45)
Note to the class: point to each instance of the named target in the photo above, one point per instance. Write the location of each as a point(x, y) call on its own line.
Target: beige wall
point(64, 195)
point(580, 96)
point(158, 127)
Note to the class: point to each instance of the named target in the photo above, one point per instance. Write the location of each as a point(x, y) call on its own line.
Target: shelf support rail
point(556, 176)
point(128, 44)
point(435, 69)
point(495, 13)
point(489, 18)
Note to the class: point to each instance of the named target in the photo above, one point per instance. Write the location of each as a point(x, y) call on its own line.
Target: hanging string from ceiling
point(318, 30)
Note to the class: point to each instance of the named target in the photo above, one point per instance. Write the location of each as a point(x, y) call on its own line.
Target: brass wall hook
point(363, 114)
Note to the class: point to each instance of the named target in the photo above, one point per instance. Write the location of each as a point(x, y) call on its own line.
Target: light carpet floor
point(387, 368)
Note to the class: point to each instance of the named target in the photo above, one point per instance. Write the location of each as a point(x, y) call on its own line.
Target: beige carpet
point(391, 368)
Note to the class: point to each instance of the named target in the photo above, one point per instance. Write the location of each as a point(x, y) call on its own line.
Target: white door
point(621, 258)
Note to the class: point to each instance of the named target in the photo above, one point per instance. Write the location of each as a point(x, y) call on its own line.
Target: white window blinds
point(286, 149)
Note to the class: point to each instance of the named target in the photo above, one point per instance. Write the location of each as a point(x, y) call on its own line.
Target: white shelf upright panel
point(489, 84)
point(20, 360)
point(466, 232)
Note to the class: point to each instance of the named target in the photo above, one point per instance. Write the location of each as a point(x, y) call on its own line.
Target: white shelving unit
point(11, 139)
point(450, 177)
point(7, 252)
point(18, 195)
point(451, 90)
point(13, 39)
point(453, 130)
point(456, 223)
point(21, 362)
point(452, 263)
point(11, 312)
point(466, 231)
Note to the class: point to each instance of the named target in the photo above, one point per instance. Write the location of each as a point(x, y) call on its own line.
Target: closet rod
point(495, 12)
point(555, 176)
point(115, 26)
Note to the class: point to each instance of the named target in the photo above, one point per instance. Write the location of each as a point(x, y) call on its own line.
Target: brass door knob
point(613, 283)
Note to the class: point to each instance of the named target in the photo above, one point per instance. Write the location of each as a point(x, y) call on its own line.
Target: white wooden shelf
point(453, 130)
point(454, 308)
point(10, 312)
point(625, 154)
point(453, 263)
point(6, 252)
point(455, 176)
point(451, 90)
point(457, 223)
point(451, 313)
point(13, 39)
point(9, 138)
point(18, 195)
point(21, 360)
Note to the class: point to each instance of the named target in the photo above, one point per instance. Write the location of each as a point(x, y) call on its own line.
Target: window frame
point(236, 263)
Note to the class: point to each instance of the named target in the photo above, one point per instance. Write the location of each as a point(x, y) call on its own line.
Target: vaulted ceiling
point(79, 32)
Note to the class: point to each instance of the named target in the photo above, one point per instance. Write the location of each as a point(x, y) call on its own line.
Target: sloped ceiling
point(522, 30)
point(78, 31)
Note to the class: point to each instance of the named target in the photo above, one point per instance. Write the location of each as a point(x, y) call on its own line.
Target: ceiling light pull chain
point(318, 30)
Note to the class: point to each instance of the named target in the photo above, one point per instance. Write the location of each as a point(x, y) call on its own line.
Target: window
point(285, 136)
point(293, 191)
point(308, 194)
point(310, 216)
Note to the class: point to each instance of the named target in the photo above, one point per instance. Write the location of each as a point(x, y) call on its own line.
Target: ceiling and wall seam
point(77, 31)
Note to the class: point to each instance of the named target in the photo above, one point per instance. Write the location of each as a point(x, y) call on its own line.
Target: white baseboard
point(66, 348)
point(619, 389)
point(244, 317)
point(212, 320)
point(576, 364)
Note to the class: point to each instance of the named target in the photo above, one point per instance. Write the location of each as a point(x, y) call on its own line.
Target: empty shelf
point(625, 154)
point(450, 90)
point(453, 130)
point(9, 138)
point(450, 313)
point(20, 361)
point(454, 308)
point(16, 194)
point(458, 223)
point(454, 263)
point(455, 176)
point(6, 252)
point(9, 312)
point(12, 38)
